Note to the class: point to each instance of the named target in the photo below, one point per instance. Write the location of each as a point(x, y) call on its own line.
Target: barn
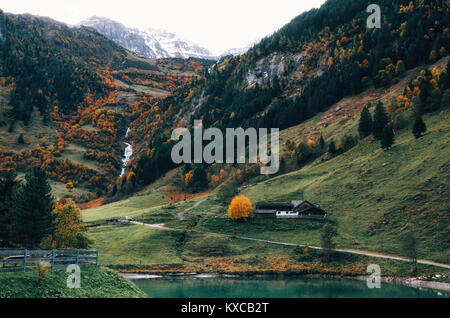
point(294, 210)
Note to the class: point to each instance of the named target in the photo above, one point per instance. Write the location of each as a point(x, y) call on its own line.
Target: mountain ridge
point(151, 43)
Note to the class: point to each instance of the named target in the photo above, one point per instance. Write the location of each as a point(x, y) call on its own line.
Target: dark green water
point(273, 287)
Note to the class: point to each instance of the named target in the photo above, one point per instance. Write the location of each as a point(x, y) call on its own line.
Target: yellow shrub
point(240, 208)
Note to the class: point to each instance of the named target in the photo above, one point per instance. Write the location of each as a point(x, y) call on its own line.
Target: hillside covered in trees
point(67, 97)
point(90, 91)
point(313, 62)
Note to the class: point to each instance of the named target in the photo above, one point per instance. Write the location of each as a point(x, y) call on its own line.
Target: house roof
point(295, 205)
point(265, 211)
point(271, 206)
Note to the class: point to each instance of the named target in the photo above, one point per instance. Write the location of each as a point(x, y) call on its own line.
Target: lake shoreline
point(407, 281)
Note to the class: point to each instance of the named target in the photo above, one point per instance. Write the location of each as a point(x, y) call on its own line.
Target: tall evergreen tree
point(380, 120)
point(426, 99)
point(387, 137)
point(321, 142)
point(332, 148)
point(419, 127)
point(33, 217)
point(444, 79)
point(199, 180)
point(8, 185)
point(365, 123)
point(445, 103)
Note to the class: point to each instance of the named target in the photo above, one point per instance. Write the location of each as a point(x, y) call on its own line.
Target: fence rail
point(22, 259)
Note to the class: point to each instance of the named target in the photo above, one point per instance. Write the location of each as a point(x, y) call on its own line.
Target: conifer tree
point(199, 180)
point(444, 79)
point(321, 142)
point(445, 103)
point(332, 148)
point(365, 123)
point(380, 120)
point(8, 185)
point(387, 137)
point(419, 127)
point(33, 217)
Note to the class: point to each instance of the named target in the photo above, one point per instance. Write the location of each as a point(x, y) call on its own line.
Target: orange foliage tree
point(69, 231)
point(188, 178)
point(240, 208)
point(69, 186)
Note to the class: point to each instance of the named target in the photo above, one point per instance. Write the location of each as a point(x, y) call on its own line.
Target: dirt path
point(160, 226)
point(349, 251)
point(181, 214)
point(371, 254)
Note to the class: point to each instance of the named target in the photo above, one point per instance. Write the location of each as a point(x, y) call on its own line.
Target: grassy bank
point(95, 283)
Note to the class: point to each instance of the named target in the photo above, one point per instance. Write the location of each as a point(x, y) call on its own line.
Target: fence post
point(53, 258)
point(25, 260)
point(78, 253)
point(96, 258)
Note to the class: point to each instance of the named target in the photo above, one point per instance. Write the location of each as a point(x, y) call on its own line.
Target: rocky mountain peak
point(150, 43)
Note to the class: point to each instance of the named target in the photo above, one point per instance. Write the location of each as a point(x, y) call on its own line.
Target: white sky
point(217, 25)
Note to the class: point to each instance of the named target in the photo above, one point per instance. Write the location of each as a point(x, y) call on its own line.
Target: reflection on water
point(275, 288)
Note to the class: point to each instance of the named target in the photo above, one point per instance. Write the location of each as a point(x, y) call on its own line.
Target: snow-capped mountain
point(151, 43)
point(239, 51)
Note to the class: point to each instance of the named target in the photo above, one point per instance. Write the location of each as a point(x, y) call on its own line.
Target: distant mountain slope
point(66, 97)
point(151, 43)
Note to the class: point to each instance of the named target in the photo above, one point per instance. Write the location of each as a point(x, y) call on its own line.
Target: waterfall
point(127, 154)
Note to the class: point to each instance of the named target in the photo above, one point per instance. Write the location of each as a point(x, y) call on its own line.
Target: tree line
point(31, 218)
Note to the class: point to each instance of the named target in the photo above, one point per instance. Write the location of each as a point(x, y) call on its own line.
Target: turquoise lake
point(276, 287)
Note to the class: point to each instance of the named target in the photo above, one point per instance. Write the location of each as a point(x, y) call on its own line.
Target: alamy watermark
point(74, 279)
point(374, 280)
point(374, 20)
point(213, 152)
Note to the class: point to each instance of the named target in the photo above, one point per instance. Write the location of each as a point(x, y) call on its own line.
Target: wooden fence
point(23, 259)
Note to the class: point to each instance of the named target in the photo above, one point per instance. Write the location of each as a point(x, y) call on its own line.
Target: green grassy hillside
point(404, 189)
point(95, 283)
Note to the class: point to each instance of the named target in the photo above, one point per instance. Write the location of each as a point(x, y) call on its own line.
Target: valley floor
point(403, 189)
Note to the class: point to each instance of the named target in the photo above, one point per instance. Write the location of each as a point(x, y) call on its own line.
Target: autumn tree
point(311, 143)
point(69, 230)
point(365, 123)
point(131, 178)
point(188, 179)
point(240, 208)
point(69, 186)
point(419, 127)
point(32, 217)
